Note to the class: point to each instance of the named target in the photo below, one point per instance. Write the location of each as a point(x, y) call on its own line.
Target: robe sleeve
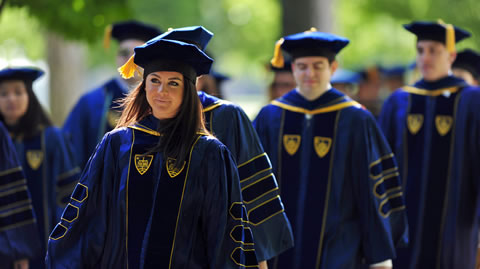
point(268, 221)
point(472, 125)
point(78, 240)
point(76, 129)
point(224, 217)
point(18, 231)
point(378, 192)
point(65, 171)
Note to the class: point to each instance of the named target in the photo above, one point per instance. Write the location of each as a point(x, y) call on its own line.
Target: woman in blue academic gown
point(41, 148)
point(18, 235)
point(159, 191)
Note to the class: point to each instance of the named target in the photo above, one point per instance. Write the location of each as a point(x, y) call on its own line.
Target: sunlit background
point(64, 37)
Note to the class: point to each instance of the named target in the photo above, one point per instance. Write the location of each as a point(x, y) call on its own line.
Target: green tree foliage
point(376, 33)
point(463, 13)
point(244, 31)
point(76, 19)
point(20, 35)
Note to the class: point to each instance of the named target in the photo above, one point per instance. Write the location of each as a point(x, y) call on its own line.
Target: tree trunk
point(66, 60)
point(299, 16)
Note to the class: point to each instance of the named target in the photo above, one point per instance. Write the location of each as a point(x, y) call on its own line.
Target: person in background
point(211, 83)
point(338, 177)
point(467, 66)
point(433, 127)
point(229, 123)
point(97, 111)
point(346, 81)
point(369, 89)
point(159, 191)
point(43, 150)
point(282, 82)
point(18, 232)
point(392, 78)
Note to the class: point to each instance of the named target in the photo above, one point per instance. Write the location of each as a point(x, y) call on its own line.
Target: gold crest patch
point(172, 171)
point(414, 123)
point(112, 118)
point(143, 162)
point(34, 158)
point(443, 124)
point(291, 143)
point(322, 145)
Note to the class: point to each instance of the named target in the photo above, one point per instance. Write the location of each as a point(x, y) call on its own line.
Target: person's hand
point(21, 264)
point(478, 258)
point(263, 265)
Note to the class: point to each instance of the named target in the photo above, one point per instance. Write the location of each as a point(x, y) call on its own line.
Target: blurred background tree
point(375, 27)
point(67, 34)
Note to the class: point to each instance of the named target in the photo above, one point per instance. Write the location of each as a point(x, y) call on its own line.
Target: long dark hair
point(33, 121)
point(178, 133)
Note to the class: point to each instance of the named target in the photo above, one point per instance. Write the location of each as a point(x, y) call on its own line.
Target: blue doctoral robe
point(131, 207)
point(93, 116)
point(338, 179)
point(270, 226)
point(18, 231)
point(434, 129)
point(51, 176)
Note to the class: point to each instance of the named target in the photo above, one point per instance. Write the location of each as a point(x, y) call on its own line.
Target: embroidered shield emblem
point(34, 158)
point(322, 145)
point(291, 143)
point(143, 162)
point(414, 123)
point(443, 124)
point(172, 171)
point(112, 118)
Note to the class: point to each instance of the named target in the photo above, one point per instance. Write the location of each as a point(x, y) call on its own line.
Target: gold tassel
point(128, 69)
point(107, 36)
point(450, 36)
point(312, 29)
point(277, 60)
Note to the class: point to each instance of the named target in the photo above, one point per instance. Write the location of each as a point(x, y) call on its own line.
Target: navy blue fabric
point(331, 196)
point(106, 233)
point(197, 35)
point(50, 182)
point(434, 31)
point(18, 231)
point(83, 124)
point(470, 60)
point(134, 30)
point(21, 73)
point(440, 171)
point(158, 49)
point(314, 39)
point(271, 228)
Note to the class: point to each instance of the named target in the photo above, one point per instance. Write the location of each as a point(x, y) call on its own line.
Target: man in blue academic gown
point(433, 127)
point(338, 177)
point(96, 112)
point(18, 232)
point(229, 123)
point(467, 66)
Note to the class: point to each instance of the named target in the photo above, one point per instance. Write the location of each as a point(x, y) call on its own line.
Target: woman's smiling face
point(164, 93)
